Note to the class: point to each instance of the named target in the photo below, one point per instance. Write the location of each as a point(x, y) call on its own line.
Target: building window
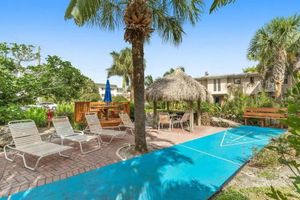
point(219, 85)
point(251, 80)
point(286, 80)
point(215, 84)
point(237, 81)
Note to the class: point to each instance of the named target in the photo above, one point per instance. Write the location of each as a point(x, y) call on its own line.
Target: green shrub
point(265, 158)
point(38, 115)
point(233, 109)
point(90, 97)
point(119, 98)
point(10, 112)
point(230, 194)
point(65, 109)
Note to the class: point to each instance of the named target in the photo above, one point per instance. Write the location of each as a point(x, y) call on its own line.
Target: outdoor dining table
point(106, 108)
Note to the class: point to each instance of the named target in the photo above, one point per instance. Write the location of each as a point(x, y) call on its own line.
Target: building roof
point(243, 75)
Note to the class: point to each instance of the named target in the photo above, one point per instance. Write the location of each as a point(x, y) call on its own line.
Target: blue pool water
point(192, 170)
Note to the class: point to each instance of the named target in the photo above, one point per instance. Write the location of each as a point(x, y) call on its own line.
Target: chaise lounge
point(65, 131)
point(27, 140)
point(95, 127)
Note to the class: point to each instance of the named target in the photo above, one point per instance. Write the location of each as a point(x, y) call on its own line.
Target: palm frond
point(219, 3)
point(170, 16)
point(106, 14)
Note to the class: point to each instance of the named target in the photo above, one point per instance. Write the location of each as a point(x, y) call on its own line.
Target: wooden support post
point(199, 113)
point(154, 114)
point(191, 117)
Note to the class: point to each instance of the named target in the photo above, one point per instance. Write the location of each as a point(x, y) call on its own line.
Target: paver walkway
point(14, 177)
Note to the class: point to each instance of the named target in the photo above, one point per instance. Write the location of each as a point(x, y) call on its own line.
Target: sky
point(217, 44)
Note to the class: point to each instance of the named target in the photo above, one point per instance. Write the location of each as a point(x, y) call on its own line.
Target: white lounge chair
point(95, 127)
point(128, 124)
point(65, 131)
point(27, 140)
point(184, 119)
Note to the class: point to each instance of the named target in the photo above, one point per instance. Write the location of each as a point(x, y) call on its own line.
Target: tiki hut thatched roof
point(177, 86)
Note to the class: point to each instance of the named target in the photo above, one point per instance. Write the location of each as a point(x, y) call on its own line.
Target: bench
point(264, 113)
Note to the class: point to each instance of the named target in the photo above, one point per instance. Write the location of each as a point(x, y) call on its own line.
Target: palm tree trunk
point(279, 72)
point(138, 85)
point(131, 88)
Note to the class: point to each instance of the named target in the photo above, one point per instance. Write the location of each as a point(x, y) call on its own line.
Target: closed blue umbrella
point(107, 96)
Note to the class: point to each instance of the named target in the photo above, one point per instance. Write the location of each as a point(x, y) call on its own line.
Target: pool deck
point(14, 177)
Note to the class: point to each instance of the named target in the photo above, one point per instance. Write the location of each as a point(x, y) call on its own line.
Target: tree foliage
point(139, 18)
point(275, 46)
point(148, 80)
point(219, 3)
point(122, 66)
point(171, 70)
point(55, 79)
point(288, 146)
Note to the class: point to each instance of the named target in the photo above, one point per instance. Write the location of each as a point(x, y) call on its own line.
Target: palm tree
point(148, 80)
point(140, 18)
point(173, 70)
point(272, 45)
point(122, 66)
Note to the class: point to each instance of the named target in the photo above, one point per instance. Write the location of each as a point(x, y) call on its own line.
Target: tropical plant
point(253, 69)
point(60, 80)
point(272, 45)
point(10, 112)
point(230, 194)
point(148, 80)
point(141, 18)
point(38, 115)
point(119, 98)
point(65, 109)
point(219, 3)
point(173, 70)
point(123, 66)
point(288, 146)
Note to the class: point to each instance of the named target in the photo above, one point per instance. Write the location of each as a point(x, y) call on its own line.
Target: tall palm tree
point(140, 18)
point(271, 46)
point(148, 80)
point(122, 66)
point(173, 70)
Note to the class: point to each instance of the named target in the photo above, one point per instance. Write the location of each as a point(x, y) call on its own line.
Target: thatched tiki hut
point(175, 87)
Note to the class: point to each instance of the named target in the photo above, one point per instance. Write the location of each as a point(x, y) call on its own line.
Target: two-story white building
point(221, 86)
point(115, 90)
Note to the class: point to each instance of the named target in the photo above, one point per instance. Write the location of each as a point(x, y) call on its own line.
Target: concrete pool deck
point(15, 178)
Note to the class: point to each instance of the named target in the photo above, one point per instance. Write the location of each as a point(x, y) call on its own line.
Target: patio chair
point(65, 131)
point(184, 119)
point(164, 118)
point(95, 127)
point(27, 140)
point(128, 124)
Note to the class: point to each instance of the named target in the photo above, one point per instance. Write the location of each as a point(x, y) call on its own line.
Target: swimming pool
point(195, 169)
